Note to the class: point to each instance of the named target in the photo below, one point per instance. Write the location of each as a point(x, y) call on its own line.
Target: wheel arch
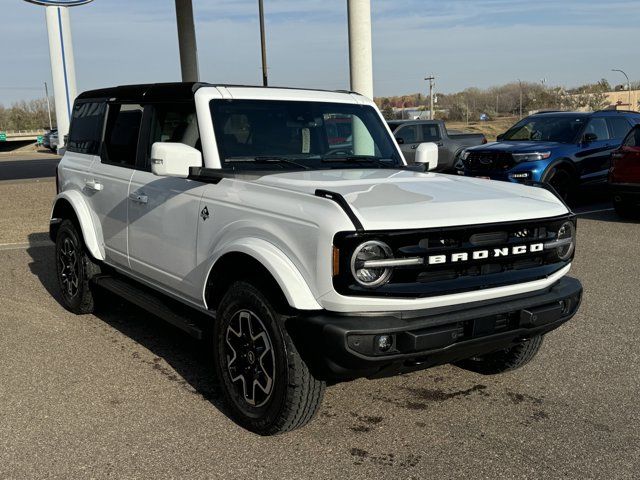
point(564, 163)
point(71, 205)
point(258, 260)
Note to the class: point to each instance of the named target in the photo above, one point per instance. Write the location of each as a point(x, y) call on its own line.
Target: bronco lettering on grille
point(485, 254)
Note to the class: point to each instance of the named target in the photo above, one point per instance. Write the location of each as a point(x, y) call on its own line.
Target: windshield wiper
point(383, 162)
point(268, 159)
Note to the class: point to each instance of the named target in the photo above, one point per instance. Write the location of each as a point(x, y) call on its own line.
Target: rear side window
point(430, 133)
point(121, 134)
point(85, 132)
point(619, 127)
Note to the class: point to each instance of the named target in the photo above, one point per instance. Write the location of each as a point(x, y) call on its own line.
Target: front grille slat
point(489, 160)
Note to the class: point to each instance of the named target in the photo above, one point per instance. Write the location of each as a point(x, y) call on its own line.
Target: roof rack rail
point(615, 110)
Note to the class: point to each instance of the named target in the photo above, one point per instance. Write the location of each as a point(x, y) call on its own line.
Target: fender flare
point(286, 274)
point(565, 162)
point(91, 231)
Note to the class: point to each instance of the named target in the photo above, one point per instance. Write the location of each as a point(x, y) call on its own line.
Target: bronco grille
point(489, 160)
point(457, 259)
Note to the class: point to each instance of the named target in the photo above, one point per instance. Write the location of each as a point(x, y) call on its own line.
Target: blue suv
point(562, 149)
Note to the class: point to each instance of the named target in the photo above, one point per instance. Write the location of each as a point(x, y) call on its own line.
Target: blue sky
point(464, 42)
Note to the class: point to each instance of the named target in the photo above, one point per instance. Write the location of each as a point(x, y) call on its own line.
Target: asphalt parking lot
point(120, 394)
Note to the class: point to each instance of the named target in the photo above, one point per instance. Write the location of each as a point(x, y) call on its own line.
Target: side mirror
point(589, 137)
point(174, 159)
point(500, 137)
point(427, 155)
point(400, 140)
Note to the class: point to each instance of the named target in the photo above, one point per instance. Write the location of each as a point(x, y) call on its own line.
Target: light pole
point(628, 84)
point(520, 83)
point(431, 79)
point(263, 44)
point(46, 94)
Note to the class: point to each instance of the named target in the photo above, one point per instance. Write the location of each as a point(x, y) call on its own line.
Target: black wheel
point(562, 182)
point(504, 360)
point(266, 384)
point(74, 269)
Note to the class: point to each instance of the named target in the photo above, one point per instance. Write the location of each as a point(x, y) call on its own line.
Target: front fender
point(91, 230)
point(291, 282)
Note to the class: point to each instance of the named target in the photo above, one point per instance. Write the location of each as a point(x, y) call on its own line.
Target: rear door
point(164, 211)
point(108, 183)
point(408, 136)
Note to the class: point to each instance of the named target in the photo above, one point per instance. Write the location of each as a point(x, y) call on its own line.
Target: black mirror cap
point(589, 137)
point(400, 140)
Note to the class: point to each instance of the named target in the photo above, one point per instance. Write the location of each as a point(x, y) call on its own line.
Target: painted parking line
point(595, 211)
point(24, 246)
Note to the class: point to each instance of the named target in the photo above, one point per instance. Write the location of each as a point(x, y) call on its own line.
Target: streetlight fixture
point(628, 84)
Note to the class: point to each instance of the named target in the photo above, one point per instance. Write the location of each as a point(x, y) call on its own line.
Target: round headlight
point(368, 276)
point(566, 240)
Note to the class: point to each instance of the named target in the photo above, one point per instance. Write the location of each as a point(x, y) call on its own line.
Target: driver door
point(408, 137)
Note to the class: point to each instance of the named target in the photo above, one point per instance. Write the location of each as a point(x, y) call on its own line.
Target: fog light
point(384, 342)
point(520, 176)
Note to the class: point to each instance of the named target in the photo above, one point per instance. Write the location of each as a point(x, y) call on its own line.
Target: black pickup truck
point(411, 133)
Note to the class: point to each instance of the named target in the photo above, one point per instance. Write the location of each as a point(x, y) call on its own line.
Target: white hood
point(386, 199)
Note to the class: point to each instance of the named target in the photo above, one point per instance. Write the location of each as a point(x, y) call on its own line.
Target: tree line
point(26, 115)
point(504, 100)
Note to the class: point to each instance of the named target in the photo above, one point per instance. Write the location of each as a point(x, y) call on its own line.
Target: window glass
point(121, 134)
point(299, 134)
point(430, 132)
point(633, 138)
point(408, 133)
point(598, 126)
point(85, 132)
point(551, 128)
point(619, 127)
point(176, 123)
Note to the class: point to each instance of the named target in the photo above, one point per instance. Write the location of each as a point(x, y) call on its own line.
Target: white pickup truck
point(314, 259)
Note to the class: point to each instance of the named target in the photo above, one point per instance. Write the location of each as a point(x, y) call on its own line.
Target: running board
point(167, 309)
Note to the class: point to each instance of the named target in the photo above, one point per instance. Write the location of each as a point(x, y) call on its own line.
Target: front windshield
point(563, 129)
point(300, 135)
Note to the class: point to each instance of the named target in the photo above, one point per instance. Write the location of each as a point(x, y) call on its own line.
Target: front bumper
point(343, 347)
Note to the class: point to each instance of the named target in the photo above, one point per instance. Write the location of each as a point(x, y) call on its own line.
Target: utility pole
point(520, 83)
point(431, 79)
point(263, 44)
point(497, 102)
point(628, 84)
point(46, 94)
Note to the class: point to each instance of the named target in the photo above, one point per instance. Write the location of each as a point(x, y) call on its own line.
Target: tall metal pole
point(628, 84)
point(360, 57)
point(187, 41)
point(520, 83)
point(431, 79)
point(46, 94)
point(263, 44)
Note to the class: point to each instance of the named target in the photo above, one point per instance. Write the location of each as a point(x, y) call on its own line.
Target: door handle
point(138, 197)
point(93, 185)
point(413, 147)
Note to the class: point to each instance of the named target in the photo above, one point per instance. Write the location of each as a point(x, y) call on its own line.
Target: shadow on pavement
point(190, 358)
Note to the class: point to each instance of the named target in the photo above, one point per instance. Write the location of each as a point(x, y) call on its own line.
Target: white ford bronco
point(288, 221)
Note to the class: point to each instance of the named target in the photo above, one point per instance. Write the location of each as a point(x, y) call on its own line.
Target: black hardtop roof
point(162, 91)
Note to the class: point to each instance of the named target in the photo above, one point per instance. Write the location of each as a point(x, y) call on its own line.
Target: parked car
point(312, 264)
point(624, 175)
point(47, 139)
point(563, 149)
point(411, 133)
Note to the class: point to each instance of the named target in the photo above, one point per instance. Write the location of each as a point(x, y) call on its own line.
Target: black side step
point(168, 309)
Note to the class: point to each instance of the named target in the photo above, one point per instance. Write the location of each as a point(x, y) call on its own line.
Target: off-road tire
point(81, 298)
point(295, 394)
point(504, 360)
